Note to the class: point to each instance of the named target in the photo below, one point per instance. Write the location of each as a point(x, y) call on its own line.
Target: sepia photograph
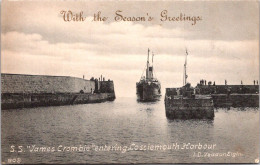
point(129, 82)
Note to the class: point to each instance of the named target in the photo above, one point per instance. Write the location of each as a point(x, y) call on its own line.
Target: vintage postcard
point(120, 82)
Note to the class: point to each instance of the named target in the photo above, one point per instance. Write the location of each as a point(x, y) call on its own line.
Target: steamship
point(148, 88)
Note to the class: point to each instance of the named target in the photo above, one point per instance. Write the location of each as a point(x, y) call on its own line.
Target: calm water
point(125, 122)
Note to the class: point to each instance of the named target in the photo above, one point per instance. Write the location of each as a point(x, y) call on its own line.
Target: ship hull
point(148, 91)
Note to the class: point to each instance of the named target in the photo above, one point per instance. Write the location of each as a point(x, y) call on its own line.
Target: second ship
point(148, 88)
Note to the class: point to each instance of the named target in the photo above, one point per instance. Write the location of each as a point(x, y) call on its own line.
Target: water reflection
point(194, 121)
point(148, 102)
point(237, 109)
point(124, 122)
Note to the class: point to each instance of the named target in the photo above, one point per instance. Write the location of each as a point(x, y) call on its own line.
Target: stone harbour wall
point(222, 89)
point(14, 101)
point(20, 83)
point(25, 91)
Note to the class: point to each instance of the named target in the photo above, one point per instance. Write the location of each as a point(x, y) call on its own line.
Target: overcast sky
point(223, 45)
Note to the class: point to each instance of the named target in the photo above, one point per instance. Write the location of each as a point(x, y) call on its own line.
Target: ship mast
point(152, 58)
point(152, 66)
point(185, 76)
point(147, 68)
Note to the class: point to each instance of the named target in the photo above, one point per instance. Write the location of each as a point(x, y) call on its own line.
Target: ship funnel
point(149, 69)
